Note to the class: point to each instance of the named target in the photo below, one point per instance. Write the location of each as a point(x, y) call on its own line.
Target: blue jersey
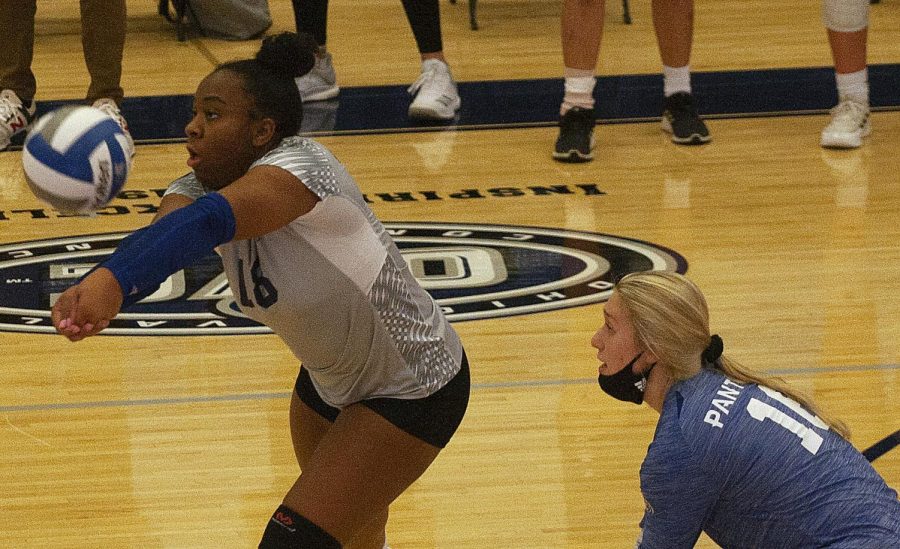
point(752, 468)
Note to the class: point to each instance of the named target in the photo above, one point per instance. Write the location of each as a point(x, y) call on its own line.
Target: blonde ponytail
point(671, 320)
point(739, 373)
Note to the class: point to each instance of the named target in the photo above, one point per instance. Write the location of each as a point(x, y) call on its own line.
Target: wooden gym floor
point(156, 441)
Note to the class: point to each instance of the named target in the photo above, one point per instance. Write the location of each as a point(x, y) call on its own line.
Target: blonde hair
point(671, 320)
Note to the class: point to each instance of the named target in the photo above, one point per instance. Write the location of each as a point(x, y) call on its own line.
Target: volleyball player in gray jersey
point(384, 381)
point(339, 254)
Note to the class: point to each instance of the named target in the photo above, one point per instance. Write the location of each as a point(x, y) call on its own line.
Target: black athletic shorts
point(433, 419)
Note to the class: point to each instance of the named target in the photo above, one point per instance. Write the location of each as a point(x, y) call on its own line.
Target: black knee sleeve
point(290, 530)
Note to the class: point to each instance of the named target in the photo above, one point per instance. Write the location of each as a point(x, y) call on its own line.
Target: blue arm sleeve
point(150, 255)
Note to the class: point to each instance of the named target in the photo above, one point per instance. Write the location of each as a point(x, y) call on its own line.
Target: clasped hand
point(86, 308)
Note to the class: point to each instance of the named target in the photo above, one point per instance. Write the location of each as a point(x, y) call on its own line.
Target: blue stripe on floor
point(511, 103)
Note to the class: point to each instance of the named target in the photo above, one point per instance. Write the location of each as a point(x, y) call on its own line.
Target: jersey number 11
point(810, 439)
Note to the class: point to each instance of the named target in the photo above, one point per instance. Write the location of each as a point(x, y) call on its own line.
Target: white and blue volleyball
point(76, 159)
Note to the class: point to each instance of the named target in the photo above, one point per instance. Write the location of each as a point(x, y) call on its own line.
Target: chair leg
point(180, 7)
point(626, 13)
point(177, 19)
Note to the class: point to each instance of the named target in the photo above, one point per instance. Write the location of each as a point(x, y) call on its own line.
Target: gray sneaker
point(435, 94)
point(109, 107)
point(849, 125)
point(14, 117)
point(320, 83)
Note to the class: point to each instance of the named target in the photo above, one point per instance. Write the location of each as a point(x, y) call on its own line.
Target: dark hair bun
point(288, 54)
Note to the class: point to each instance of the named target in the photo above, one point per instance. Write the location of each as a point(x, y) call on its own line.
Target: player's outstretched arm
point(261, 201)
point(170, 203)
point(86, 308)
point(265, 199)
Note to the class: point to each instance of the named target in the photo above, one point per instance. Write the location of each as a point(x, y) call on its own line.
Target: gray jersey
point(333, 285)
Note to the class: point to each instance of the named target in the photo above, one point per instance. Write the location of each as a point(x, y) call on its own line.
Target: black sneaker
point(576, 136)
point(680, 119)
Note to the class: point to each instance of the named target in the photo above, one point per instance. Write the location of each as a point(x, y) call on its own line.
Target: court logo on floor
point(473, 271)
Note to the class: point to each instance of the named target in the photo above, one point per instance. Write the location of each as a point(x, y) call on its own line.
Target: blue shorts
point(432, 419)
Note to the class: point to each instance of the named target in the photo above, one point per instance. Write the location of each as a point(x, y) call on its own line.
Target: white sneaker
point(108, 106)
point(14, 117)
point(849, 124)
point(435, 92)
point(320, 83)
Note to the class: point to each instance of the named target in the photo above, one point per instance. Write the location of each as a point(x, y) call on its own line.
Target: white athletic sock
point(676, 79)
point(579, 90)
point(853, 85)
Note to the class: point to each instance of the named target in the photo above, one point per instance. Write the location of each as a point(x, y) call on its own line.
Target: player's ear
point(263, 131)
point(648, 358)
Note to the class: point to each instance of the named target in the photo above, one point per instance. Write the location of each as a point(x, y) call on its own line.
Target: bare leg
point(439, 55)
point(673, 21)
point(352, 471)
point(848, 49)
point(372, 535)
point(307, 429)
point(582, 30)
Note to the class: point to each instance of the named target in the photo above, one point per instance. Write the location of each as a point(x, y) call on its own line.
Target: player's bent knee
point(288, 529)
point(845, 15)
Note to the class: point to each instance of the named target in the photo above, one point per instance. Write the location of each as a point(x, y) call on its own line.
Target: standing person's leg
point(311, 17)
point(848, 49)
point(103, 42)
point(436, 95)
point(17, 82)
point(319, 84)
point(673, 22)
point(582, 31)
point(103, 25)
point(846, 22)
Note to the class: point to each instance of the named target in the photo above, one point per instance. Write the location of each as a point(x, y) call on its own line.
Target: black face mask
point(626, 385)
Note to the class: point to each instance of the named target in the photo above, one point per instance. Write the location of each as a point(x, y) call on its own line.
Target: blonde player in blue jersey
point(384, 381)
point(736, 454)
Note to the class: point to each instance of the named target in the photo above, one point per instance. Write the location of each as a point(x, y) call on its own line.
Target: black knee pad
point(290, 530)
